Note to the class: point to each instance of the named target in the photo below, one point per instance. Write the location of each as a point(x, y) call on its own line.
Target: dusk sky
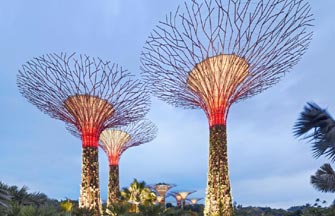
point(268, 166)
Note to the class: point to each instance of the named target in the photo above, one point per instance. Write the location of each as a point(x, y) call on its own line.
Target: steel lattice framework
point(88, 94)
point(210, 54)
point(115, 141)
point(269, 36)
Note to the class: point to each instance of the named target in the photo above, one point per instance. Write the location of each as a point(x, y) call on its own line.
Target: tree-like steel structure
point(177, 197)
point(194, 201)
point(184, 195)
point(88, 94)
point(210, 54)
point(115, 141)
point(181, 197)
point(161, 189)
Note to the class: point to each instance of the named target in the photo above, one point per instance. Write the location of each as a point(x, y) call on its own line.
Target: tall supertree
point(210, 54)
point(115, 141)
point(161, 189)
point(88, 94)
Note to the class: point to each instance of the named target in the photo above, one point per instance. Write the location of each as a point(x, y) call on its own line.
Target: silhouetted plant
point(317, 126)
point(324, 179)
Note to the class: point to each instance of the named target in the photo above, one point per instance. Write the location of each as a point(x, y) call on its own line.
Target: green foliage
point(21, 196)
point(138, 193)
point(66, 206)
point(181, 212)
point(305, 210)
point(150, 210)
point(28, 211)
point(43, 206)
point(82, 212)
point(4, 198)
point(118, 209)
point(253, 211)
point(19, 210)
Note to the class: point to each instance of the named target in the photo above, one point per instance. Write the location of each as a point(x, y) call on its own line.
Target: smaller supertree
point(177, 197)
point(194, 201)
point(162, 189)
point(183, 196)
point(115, 141)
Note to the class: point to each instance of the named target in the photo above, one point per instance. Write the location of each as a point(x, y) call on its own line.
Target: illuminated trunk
point(218, 194)
point(113, 184)
point(90, 191)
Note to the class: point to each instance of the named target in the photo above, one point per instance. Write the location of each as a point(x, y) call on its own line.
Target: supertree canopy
point(184, 195)
point(88, 94)
point(114, 141)
point(194, 200)
point(210, 54)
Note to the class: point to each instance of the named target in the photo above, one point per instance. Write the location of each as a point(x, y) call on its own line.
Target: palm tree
point(138, 193)
point(324, 179)
point(4, 198)
point(317, 126)
point(20, 196)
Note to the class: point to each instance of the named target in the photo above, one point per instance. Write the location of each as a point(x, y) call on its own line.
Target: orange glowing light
point(215, 80)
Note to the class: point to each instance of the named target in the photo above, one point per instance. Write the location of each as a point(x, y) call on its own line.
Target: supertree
point(88, 94)
point(177, 197)
point(210, 54)
point(184, 195)
point(161, 189)
point(115, 141)
point(194, 201)
point(181, 197)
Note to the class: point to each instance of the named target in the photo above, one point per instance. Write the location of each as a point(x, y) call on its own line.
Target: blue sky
point(268, 167)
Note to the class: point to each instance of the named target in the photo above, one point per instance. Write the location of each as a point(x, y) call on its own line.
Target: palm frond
point(4, 198)
point(317, 126)
point(324, 179)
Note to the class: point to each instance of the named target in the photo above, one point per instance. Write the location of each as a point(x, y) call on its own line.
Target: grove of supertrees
point(115, 141)
point(210, 54)
point(88, 94)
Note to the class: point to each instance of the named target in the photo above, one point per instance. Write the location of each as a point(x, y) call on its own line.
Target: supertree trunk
point(218, 194)
point(90, 190)
point(114, 141)
point(113, 184)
